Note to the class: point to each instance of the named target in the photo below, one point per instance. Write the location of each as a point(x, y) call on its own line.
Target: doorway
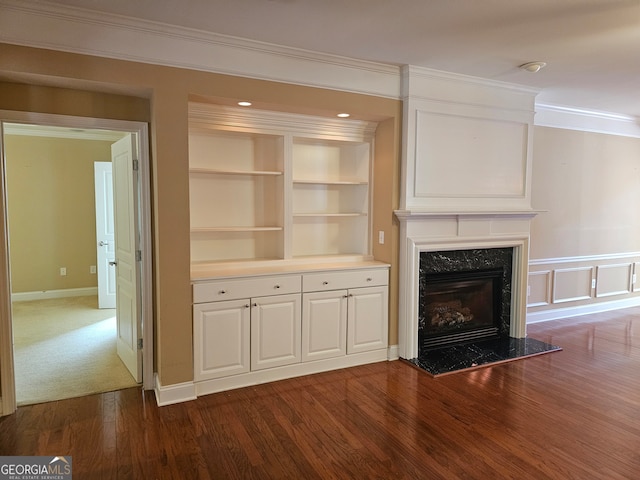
point(137, 305)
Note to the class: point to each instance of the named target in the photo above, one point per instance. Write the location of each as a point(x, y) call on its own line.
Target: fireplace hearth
point(464, 311)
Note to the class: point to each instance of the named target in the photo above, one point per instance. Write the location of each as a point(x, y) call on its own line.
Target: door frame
point(141, 131)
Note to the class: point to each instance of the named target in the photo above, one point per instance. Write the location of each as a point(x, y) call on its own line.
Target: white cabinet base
point(289, 371)
point(299, 323)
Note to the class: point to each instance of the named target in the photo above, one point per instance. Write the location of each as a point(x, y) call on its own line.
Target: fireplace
point(459, 307)
point(464, 295)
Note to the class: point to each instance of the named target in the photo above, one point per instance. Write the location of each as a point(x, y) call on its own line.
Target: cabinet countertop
point(208, 272)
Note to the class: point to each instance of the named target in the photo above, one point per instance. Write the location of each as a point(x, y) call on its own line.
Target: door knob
point(103, 244)
point(113, 264)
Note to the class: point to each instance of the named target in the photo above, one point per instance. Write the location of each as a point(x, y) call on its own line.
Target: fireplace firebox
point(464, 296)
point(459, 307)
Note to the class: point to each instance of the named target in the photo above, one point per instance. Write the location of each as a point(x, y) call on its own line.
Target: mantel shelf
point(212, 171)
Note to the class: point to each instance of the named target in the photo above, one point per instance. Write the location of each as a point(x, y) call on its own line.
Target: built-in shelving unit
point(276, 186)
point(284, 283)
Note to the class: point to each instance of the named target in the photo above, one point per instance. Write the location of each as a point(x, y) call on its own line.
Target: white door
point(106, 253)
point(221, 339)
point(125, 209)
point(367, 320)
point(275, 331)
point(324, 325)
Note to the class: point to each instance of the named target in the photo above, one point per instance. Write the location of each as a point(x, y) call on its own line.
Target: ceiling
point(591, 47)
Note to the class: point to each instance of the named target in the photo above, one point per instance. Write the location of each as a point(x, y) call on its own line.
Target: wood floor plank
point(573, 414)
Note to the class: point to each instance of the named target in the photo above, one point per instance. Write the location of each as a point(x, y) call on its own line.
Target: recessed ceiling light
point(533, 67)
point(343, 115)
point(244, 104)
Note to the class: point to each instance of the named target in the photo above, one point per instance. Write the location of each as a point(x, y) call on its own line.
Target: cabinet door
point(367, 326)
point(275, 331)
point(221, 339)
point(324, 325)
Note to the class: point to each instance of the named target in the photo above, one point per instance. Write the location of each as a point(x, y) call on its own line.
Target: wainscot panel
point(567, 287)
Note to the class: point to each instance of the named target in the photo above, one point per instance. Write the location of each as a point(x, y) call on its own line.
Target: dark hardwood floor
point(573, 414)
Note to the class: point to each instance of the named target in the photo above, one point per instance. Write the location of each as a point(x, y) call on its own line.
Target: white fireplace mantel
point(437, 231)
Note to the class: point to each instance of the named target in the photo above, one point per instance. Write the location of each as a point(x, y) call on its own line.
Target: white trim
point(583, 258)
point(140, 129)
point(7, 373)
point(177, 393)
point(571, 118)
point(30, 130)
point(46, 294)
point(419, 82)
point(393, 352)
point(80, 30)
point(569, 312)
point(288, 371)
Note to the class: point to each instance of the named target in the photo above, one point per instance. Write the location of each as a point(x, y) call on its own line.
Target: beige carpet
point(64, 348)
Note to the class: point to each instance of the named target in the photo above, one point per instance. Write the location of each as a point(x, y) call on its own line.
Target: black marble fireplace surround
point(492, 344)
point(437, 264)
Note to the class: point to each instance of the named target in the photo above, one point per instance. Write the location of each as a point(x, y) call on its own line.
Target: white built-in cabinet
point(253, 329)
point(284, 283)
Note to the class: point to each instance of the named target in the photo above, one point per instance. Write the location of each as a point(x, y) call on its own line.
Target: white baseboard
point(559, 313)
point(206, 387)
point(180, 392)
point(393, 352)
point(46, 294)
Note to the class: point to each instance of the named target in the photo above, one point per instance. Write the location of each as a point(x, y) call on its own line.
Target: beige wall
point(50, 186)
point(585, 242)
point(588, 185)
point(169, 90)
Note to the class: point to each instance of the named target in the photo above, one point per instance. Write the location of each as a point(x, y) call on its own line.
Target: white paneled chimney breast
point(466, 181)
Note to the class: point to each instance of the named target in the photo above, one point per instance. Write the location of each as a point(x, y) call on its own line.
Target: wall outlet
point(593, 283)
point(63, 271)
point(92, 269)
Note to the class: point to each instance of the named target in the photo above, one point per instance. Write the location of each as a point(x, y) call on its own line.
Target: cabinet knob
point(369, 279)
point(351, 294)
point(247, 306)
point(255, 304)
point(325, 283)
point(222, 292)
point(277, 286)
point(345, 296)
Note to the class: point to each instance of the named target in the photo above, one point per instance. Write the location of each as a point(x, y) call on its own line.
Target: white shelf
point(331, 182)
point(213, 171)
point(348, 214)
point(235, 229)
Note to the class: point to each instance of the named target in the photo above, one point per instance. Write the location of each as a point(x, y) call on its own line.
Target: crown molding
point(571, 118)
point(77, 30)
point(426, 86)
point(413, 72)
